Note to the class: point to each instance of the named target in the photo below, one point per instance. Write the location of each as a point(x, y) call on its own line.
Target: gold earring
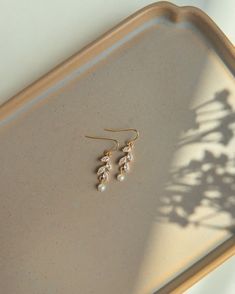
point(104, 170)
point(124, 161)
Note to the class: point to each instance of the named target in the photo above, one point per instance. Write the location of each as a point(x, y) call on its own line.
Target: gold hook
point(115, 148)
point(126, 130)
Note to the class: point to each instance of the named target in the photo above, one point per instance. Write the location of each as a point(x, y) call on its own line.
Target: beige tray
point(168, 72)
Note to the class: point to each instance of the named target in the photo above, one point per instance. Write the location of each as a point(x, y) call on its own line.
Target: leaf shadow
point(208, 181)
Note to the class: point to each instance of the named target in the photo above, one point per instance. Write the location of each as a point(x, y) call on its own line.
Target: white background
point(37, 35)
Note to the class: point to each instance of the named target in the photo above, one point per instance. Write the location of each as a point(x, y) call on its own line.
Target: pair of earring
point(124, 162)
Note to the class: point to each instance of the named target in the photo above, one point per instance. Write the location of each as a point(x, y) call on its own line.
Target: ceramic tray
point(167, 71)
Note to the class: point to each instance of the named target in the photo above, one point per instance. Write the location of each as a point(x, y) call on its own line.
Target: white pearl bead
point(101, 187)
point(120, 177)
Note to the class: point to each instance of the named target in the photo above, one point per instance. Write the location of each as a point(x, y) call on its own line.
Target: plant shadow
point(205, 181)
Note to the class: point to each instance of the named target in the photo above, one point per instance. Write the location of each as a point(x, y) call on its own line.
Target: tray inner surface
point(58, 234)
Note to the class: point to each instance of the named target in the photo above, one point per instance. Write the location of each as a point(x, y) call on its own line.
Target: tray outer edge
point(223, 46)
point(200, 269)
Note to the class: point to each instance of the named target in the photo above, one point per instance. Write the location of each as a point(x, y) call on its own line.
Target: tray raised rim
point(175, 13)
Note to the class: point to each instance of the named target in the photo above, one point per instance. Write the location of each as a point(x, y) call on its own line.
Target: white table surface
point(35, 36)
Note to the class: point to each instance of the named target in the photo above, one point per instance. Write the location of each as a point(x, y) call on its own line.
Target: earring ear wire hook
point(115, 148)
point(126, 130)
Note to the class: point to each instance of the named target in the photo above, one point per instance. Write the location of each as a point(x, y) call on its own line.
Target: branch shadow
point(208, 181)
